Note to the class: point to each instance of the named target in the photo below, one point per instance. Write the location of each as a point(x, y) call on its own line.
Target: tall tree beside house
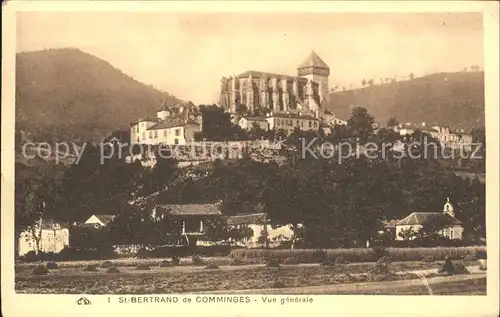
point(363, 82)
point(360, 124)
point(256, 132)
point(216, 123)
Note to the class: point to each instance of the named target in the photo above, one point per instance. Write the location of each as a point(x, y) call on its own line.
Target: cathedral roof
point(313, 60)
point(258, 74)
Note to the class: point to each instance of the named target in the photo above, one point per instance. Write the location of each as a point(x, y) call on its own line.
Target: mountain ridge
point(67, 94)
point(449, 99)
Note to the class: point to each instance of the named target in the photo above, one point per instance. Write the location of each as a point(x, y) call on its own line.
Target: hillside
point(69, 95)
point(452, 99)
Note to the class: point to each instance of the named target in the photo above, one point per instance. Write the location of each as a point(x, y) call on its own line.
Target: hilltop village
point(263, 194)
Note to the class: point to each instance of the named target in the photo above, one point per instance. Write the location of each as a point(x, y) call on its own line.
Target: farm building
point(53, 237)
point(191, 219)
point(259, 224)
point(451, 227)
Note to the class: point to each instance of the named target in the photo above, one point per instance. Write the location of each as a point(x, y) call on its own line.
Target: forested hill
point(68, 95)
point(451, 99)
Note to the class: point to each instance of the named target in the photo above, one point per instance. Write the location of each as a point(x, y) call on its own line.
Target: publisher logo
point(83, 301)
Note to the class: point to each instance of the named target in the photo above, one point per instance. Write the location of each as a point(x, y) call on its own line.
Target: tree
point(360, 124)
point(363, 82)
point(392, 122)
point(216, 124)
point(370, 82)
point(411, 76)
point(241, 109)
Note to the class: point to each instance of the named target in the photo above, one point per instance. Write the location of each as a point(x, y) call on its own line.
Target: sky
point(187, 54)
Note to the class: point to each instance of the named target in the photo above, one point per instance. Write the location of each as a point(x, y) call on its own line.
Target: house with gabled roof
point(450, 227)
point(191, 220)
point(100, 220)
point(260, 225)
point(173, 125)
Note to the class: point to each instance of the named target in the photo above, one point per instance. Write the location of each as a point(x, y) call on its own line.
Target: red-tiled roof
point(422, 218)
point(258, 74)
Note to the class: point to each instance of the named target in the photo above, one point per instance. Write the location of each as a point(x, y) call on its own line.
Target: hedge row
point(360, 255)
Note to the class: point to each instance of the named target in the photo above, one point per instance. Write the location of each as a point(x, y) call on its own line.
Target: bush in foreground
point(112, 269)
point(142, 267)
point(291, 261)
point(273, 263)
point(40, 270)
point(165, 263)
point(211, 266)
point(482, 265)
point(237, 262)
point(197, 260)
point(90, 268)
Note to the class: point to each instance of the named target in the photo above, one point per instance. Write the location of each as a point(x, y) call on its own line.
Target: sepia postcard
point(250, 158)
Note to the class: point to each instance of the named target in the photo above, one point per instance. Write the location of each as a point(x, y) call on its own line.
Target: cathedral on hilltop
point(304, 94)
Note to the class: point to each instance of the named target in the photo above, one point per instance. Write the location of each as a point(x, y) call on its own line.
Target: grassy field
point(198, 279)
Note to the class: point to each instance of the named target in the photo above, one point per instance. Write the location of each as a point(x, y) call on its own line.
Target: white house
point(447, 138)
point(259, 223)
point(100, 220)
point(289, 121)
point(247, 123)
point(53, 238)
point(452, 229)
point(172, 126)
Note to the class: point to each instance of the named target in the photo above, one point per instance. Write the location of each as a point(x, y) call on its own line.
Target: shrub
point(112, 269)
point(273, 263)
point(460, 268)
point(165, 263)
point(384, 260)
point(328, 262)
point(483, 266)
point(176, 260)
point(469, 257)
point(378, 270)
point(450, 268)
point(106, 264)
point(211, 266)
point(237, 262)
point(51, 266)
point(197, 260)
point(40, 270)
point(291, 260)
point(142, 267)
point(428, 259)
point(90, 268)
point(278, 284)
point(340, 260)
